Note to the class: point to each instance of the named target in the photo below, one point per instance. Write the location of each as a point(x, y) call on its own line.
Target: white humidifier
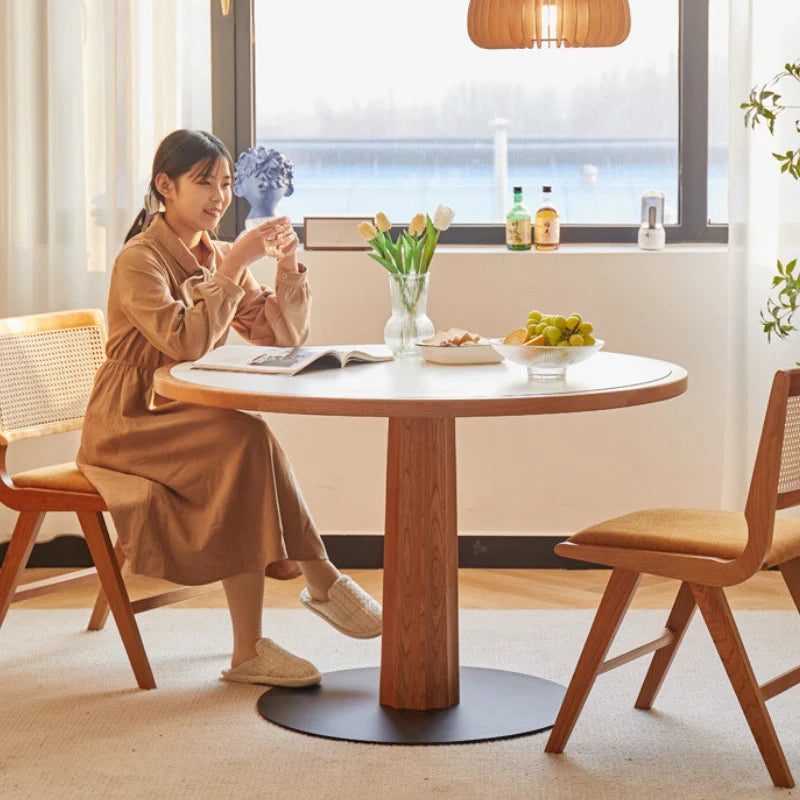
point(651, 231)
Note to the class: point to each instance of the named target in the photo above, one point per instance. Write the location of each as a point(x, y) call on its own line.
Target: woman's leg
point(245, 596)
point(320, 575)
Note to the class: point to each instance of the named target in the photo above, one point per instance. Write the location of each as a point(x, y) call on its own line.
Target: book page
point(283, 359)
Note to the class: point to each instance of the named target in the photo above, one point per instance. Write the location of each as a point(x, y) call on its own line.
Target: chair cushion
point(721, 534)
point(59, 478)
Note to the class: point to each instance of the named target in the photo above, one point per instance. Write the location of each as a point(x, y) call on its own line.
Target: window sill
point(563, 250)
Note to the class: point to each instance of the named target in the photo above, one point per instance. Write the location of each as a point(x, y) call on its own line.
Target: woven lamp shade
point(510, 24)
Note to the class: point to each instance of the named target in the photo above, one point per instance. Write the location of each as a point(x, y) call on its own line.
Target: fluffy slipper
point(274, 666)
point(348, 608)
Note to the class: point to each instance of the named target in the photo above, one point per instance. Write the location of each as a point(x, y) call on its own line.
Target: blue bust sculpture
point(263, 177)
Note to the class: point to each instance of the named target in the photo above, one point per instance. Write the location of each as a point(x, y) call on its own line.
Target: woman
point(200, 494)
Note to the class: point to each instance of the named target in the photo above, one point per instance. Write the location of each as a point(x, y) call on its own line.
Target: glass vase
point(409, 323)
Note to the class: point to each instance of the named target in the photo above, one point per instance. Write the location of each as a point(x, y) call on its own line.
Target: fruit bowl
point(546, 362)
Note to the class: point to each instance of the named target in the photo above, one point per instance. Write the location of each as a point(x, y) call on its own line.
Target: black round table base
point(495, 704)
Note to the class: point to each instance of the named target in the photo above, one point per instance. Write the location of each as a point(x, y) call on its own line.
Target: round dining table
point(421, 694)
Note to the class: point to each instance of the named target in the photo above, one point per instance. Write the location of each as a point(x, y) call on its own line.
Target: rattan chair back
point(776, 473)
point(47, 368)
point(789, 476)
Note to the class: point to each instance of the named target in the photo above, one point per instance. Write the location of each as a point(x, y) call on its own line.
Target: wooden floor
point(478, 588)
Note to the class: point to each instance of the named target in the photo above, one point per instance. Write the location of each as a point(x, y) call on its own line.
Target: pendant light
point(510, 24)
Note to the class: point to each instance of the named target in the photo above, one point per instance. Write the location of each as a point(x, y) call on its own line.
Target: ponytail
point(152, 205)
point(138, 225)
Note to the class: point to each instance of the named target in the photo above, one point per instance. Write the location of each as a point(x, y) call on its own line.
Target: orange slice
point(537, 342)
point(517, 336)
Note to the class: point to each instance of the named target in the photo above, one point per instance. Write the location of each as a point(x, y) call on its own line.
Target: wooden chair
point(706, 551)
point(47, 368)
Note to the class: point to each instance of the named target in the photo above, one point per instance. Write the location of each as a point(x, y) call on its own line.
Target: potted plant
point(407, 260)
point(765, 107)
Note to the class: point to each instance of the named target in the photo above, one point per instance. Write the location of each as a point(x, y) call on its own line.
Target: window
point(400, 112)
point(718, 112)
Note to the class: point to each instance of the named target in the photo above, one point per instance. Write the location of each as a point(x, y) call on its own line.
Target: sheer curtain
point(89, 87)
point(764, 225)
point(87, 90)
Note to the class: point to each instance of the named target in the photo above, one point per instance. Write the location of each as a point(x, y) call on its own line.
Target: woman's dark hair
point(180, 152)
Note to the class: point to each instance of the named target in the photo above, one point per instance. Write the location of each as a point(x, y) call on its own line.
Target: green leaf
point(397, 254)
point(418, 254)
point(401, 255)
point(411, 246)
point(385, 263)
point(431, 239)
point(379, 243)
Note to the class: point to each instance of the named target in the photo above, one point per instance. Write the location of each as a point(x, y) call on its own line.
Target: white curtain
point(89, 87)
point(764, 226)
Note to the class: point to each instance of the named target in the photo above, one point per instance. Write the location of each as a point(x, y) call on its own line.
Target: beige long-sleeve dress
point(196, 493)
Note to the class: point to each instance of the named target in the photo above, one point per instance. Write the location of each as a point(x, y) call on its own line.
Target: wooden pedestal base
point(419, 659)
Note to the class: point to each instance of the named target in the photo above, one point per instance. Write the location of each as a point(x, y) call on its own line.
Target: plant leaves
point(385, 263)
point(431, 239)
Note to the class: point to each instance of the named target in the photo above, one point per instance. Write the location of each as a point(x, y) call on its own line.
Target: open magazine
point(286, 360)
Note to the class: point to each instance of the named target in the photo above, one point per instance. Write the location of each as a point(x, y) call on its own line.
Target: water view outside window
point(391, 107)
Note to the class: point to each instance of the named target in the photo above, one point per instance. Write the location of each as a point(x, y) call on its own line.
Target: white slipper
point(348, 608)
point(274, 666)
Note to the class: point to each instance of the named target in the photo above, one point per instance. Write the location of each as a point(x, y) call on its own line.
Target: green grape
point(563, 343)
point(552, 334)
point(588, 340)
point(576, 340)
point(573, 322)
point(535, 316)
point(585, 327)
point(531, 326)
point(560, 322)
point(540, 328)
point(578, 317)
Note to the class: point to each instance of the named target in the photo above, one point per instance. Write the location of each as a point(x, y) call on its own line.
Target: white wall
point(537, 475)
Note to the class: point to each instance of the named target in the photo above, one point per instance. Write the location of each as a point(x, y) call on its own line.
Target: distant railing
point(481, 151)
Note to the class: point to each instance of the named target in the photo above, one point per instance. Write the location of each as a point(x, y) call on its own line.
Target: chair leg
point(97, 538)
point(17, 555)
point(100, 611)
point(615, 602)
point(722, 627)
point(791, 576)
point(679, 618)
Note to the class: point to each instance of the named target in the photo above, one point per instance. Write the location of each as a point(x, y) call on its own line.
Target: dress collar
point(163, 233)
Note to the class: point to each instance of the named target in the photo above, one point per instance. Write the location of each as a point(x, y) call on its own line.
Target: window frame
point(233, 97)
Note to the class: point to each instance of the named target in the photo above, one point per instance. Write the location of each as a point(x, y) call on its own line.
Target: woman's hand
point(272, 238)
point(287, 252)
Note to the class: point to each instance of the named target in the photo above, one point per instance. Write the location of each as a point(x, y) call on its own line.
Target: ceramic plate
point(463, 354)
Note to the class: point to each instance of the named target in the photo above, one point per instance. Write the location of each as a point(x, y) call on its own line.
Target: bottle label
point(547, 231)
point(518, 231)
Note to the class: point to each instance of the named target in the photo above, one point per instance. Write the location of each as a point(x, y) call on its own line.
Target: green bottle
point(518, 224)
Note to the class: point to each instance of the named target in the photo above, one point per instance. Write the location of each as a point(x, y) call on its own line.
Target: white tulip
point(443, 217)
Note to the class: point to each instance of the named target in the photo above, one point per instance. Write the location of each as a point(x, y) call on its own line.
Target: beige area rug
point(73, 725)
